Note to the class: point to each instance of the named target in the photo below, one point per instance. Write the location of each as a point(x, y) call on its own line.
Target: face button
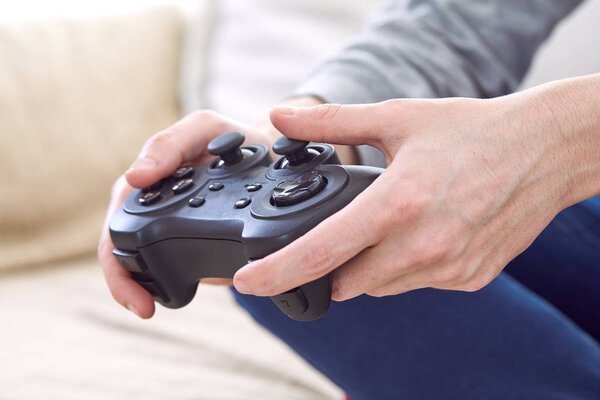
point(253, 187)
point(196, 201)
point(149, 198)
point(183, 172)
point(215, 186)
point(241, 203)
point(182, 185)
point(290, 192)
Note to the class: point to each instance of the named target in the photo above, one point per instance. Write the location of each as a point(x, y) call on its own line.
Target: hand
point(469, 185)
point(183, 143)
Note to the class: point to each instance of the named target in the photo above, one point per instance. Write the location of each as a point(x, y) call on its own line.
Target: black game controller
point(210, 220)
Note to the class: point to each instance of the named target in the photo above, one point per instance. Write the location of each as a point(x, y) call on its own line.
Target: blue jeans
point(533, 333)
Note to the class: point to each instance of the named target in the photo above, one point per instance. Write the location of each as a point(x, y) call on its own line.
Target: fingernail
point(286, 110)
point(144, 163)
point(242, 287)
point(131, 308)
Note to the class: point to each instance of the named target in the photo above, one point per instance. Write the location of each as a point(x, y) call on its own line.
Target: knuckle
point(318, 261)
point(438, 252)
point(430, 252)
point(327, 111)
point(448, 274)
point(162, 139)
point(407, 210)
point(202, 115)
point(481, 277)
point(474, 284)
point(210, 119)
point(377, 292)
point(338, 290)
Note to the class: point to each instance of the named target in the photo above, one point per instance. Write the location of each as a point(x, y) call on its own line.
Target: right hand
point(183, 143)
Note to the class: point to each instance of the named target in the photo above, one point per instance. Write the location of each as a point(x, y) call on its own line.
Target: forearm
point(554, 132)
point(433, 48)
point(572, 109)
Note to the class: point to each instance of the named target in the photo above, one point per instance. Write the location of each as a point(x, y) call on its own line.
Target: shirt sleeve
point(438, 48)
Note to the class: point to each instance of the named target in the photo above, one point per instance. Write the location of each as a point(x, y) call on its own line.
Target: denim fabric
point(533, 333)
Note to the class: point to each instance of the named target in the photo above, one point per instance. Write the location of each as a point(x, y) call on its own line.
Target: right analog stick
point(294, 151)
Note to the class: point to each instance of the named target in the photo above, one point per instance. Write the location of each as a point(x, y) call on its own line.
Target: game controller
point(209, 220)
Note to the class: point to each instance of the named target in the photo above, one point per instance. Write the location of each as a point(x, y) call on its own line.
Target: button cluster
point(183, 182)
point(197, 201)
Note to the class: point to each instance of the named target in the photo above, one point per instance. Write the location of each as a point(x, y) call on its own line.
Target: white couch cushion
point(77, 100)
point(64, 338)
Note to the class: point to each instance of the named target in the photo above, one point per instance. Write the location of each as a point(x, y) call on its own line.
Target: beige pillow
point(77, 100)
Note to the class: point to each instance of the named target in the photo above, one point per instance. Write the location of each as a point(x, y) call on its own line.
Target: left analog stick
point(227, 147)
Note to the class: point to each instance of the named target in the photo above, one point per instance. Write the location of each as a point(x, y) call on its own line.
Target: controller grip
point(307, 302)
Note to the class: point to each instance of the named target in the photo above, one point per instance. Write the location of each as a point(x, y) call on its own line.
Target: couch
point(78, 97)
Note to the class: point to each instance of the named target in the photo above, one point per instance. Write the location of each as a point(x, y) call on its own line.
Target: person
point(478, 180)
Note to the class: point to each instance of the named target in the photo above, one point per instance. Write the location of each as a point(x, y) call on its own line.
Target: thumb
point(354, 124)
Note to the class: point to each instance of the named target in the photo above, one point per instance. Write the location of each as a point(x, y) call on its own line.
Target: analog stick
point(294, 151)
point(227, 147)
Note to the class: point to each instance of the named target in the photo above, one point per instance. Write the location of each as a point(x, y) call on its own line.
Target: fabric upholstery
point(64, 338)
point(77, 100)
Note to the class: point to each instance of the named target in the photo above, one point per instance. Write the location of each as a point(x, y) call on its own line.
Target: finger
point(313, 255)
point(122, 287)
point(394, 266)
point(370, 269)
point(404, 283)
point(334, 123)
point(185, 141)
point(446, 276)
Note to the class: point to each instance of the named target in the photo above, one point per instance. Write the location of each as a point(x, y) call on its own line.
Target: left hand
point(469, 185)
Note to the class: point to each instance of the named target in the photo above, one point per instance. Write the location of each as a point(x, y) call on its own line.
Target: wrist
point(572, 113)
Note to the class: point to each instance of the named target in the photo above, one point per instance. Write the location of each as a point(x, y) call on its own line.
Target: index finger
point(183, 142)
point(327, 246)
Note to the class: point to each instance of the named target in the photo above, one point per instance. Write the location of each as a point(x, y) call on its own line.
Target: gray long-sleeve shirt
point(438, 48)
